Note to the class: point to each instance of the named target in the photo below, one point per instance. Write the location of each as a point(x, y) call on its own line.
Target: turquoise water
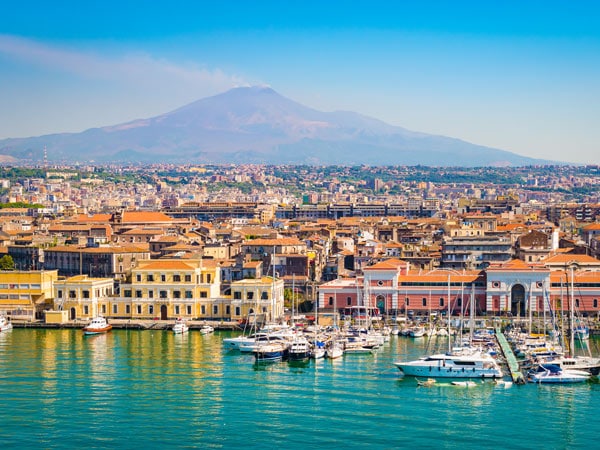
point(150, 389)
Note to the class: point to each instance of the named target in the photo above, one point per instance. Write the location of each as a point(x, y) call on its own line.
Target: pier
point(130, 324)
point(510, 357)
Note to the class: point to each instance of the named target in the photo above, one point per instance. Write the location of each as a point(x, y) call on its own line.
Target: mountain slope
point(257, 125)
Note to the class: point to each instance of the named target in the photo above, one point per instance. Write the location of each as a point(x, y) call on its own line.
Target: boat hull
point(90, 331)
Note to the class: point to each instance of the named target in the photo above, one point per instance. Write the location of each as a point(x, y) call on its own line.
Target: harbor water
point(150, 389)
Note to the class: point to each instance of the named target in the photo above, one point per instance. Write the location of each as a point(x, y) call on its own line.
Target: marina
point(160, 386)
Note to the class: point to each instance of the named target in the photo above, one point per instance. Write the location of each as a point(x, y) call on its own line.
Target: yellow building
point(261, 299)
point(25, 294)
point(166, 289)
point(84, 297)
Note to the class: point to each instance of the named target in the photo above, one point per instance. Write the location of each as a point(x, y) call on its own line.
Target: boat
point(97, 325)
point(180, 326)
point(473, 364)
point(207, 329)
point(463, 383)
point(299, 349)
point(271, 352)
point(551, 373)
point(5, 324)
point(335, 350)
point(427, 383)
point(581, 332)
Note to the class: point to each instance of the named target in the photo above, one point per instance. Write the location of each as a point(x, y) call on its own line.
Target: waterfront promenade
point(131, 324)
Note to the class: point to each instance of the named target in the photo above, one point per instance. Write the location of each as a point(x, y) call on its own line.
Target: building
point(26, 294)
point(84, 297)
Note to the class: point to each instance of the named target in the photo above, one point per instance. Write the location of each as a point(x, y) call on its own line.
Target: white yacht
point(551, 373)
point(180, 326)
point(5, 324)
point(452, 365)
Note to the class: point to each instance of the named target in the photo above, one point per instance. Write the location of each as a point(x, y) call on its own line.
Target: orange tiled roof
point(145, 217)
point(164, 264)
point(389, 264)
point(570, 258)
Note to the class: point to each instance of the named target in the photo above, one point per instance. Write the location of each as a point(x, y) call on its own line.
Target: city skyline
point(520, 77)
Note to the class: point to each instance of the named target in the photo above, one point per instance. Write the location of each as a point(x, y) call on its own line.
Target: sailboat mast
point(572, 318)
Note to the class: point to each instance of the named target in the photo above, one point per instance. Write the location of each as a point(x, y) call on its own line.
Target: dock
point(510, 357)
point(130, 324)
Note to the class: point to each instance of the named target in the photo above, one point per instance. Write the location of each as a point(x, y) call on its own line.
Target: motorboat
point(5, 324)
point(207, 329)
point(586, 363)
point(467, 383)
point(471, 364)
point(299, 349)
point(551, 373)
point(335, 350)
point(271, 352)
point(97, 325)
point(180, 326)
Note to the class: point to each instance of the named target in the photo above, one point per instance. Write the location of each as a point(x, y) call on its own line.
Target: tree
point(7, 263)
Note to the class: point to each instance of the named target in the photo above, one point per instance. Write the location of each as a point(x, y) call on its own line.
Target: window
point(115, 308)
point(237, 311)
point(127, 309)
point(138, 293)
point(150, 309)
point(188, 294)
point(150, 277)
point(139, 309)
point(237, 295)
point(215, 309)
point(103, 309)
point(407, 301)
point(380, 283)
point(203, 294)
point(203, 309)
point(595, 303)
point(138, 278)
point(127, 292)
point(72, 294)
point(177, 278)
point(189, 310)
point(188, 278)
point(208, 278)
point(86, 309)
point(264, 309)
point(86, 294)
point(348, 301)
point(176, 294)
point(424, 301)
point(150, 294)
point(249, 295)
point(264, 295)
point(576, 303)
point(441, 301)
point(330, 301)
point(163, 294)
point(177, 310)
point(59, 293)
point(163, 278)
point(228, 310)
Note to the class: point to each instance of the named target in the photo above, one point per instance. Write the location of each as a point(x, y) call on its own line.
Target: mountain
point(258, 125)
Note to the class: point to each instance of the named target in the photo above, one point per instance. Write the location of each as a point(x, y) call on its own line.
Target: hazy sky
point(522, 76)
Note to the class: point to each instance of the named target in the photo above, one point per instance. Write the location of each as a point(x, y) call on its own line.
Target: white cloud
point(128, 68)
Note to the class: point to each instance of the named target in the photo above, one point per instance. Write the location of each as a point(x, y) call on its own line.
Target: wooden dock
point(510, 357)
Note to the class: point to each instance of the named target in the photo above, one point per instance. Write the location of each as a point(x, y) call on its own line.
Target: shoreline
point(130, 324)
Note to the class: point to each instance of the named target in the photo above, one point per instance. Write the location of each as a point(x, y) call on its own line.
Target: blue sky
point(523, 76)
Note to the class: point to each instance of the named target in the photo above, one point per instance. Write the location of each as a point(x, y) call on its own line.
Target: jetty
point(510, 357)
point(130, 324)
